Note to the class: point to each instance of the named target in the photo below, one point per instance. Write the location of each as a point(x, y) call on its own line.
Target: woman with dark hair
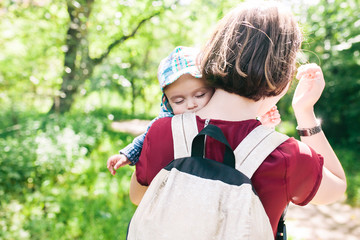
point(250, 60)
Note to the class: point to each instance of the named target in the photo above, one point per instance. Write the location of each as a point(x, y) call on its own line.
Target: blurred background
point(69, 69)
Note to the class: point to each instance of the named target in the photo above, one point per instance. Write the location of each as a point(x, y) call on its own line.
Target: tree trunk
point(77, 64)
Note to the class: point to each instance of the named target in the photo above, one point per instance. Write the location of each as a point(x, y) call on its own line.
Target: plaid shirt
point(133, 150)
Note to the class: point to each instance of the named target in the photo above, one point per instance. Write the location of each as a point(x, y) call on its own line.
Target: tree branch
point(120, 40)
point(123, 38)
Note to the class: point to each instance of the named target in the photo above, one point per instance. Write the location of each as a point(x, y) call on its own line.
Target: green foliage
point(54, 181)
point(53, 178)
point(31, 54)
point(349, 160)
point(131, 70)
point(45, 147)
point(36, 71)
point(333, 42)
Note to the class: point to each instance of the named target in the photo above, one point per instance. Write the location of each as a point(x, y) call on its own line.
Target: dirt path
point(134, 127)
point(328, 222)
point(337, 221)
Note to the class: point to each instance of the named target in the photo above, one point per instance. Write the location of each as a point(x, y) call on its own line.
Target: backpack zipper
point(207, 121)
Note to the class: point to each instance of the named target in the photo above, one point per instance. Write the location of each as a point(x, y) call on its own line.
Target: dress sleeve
point(304, 173)
point(157, 151)
point(133, 150)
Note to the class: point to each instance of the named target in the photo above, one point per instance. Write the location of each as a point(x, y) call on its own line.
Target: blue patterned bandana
point(182, 60)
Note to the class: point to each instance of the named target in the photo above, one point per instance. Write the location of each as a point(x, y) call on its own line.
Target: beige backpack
point(194, 198)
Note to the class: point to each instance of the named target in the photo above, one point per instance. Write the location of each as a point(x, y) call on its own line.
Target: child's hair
point(252, 51)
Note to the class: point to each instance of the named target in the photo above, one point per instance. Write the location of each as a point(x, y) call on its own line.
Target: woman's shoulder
point(160, 124)
point(294, 148)
point(291, 145)
point(299, 158)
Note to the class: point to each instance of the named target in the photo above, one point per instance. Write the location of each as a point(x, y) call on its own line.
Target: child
point(183, 91)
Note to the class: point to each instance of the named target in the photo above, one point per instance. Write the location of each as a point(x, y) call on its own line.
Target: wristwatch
point(305, 132)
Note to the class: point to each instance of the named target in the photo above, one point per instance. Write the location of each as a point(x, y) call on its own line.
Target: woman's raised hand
point(309, 89)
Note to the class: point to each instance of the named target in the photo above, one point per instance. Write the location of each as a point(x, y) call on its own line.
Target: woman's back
point(276, 181)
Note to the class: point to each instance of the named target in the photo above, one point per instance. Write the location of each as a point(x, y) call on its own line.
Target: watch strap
point(306, 132)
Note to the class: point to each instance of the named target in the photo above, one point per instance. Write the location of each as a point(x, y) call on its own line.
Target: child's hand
point(271, 118)
point(116, 161)
point(309, 89)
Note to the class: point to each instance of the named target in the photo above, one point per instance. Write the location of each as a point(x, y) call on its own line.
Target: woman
point(250, 60)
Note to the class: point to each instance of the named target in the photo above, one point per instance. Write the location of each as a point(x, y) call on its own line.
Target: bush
point(54, 183)
point(44, 148)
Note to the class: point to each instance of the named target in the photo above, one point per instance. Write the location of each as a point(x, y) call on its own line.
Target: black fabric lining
point(209, 169)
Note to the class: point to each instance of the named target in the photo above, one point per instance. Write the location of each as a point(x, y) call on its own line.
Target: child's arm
point(131, 153)
point(307, 93)
point(133, 150)
point(128, 155)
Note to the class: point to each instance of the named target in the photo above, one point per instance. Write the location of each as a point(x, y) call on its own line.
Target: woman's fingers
point(307, 71)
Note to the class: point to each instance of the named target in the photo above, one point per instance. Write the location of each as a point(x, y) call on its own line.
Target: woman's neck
point(230, 107)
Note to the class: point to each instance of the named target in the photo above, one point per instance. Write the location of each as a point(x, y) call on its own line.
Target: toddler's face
point(188, 94)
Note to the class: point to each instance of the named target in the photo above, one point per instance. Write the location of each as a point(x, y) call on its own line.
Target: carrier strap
point(184, 129)
point(254, 149)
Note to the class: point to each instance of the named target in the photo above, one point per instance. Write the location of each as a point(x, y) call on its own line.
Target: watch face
point(305, 132)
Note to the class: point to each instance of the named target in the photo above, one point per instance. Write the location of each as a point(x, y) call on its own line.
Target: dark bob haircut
point(252, 51)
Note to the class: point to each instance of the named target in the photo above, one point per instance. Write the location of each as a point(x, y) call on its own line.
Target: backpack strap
point(198, 144)
point(184, 129)
point(256, 146)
